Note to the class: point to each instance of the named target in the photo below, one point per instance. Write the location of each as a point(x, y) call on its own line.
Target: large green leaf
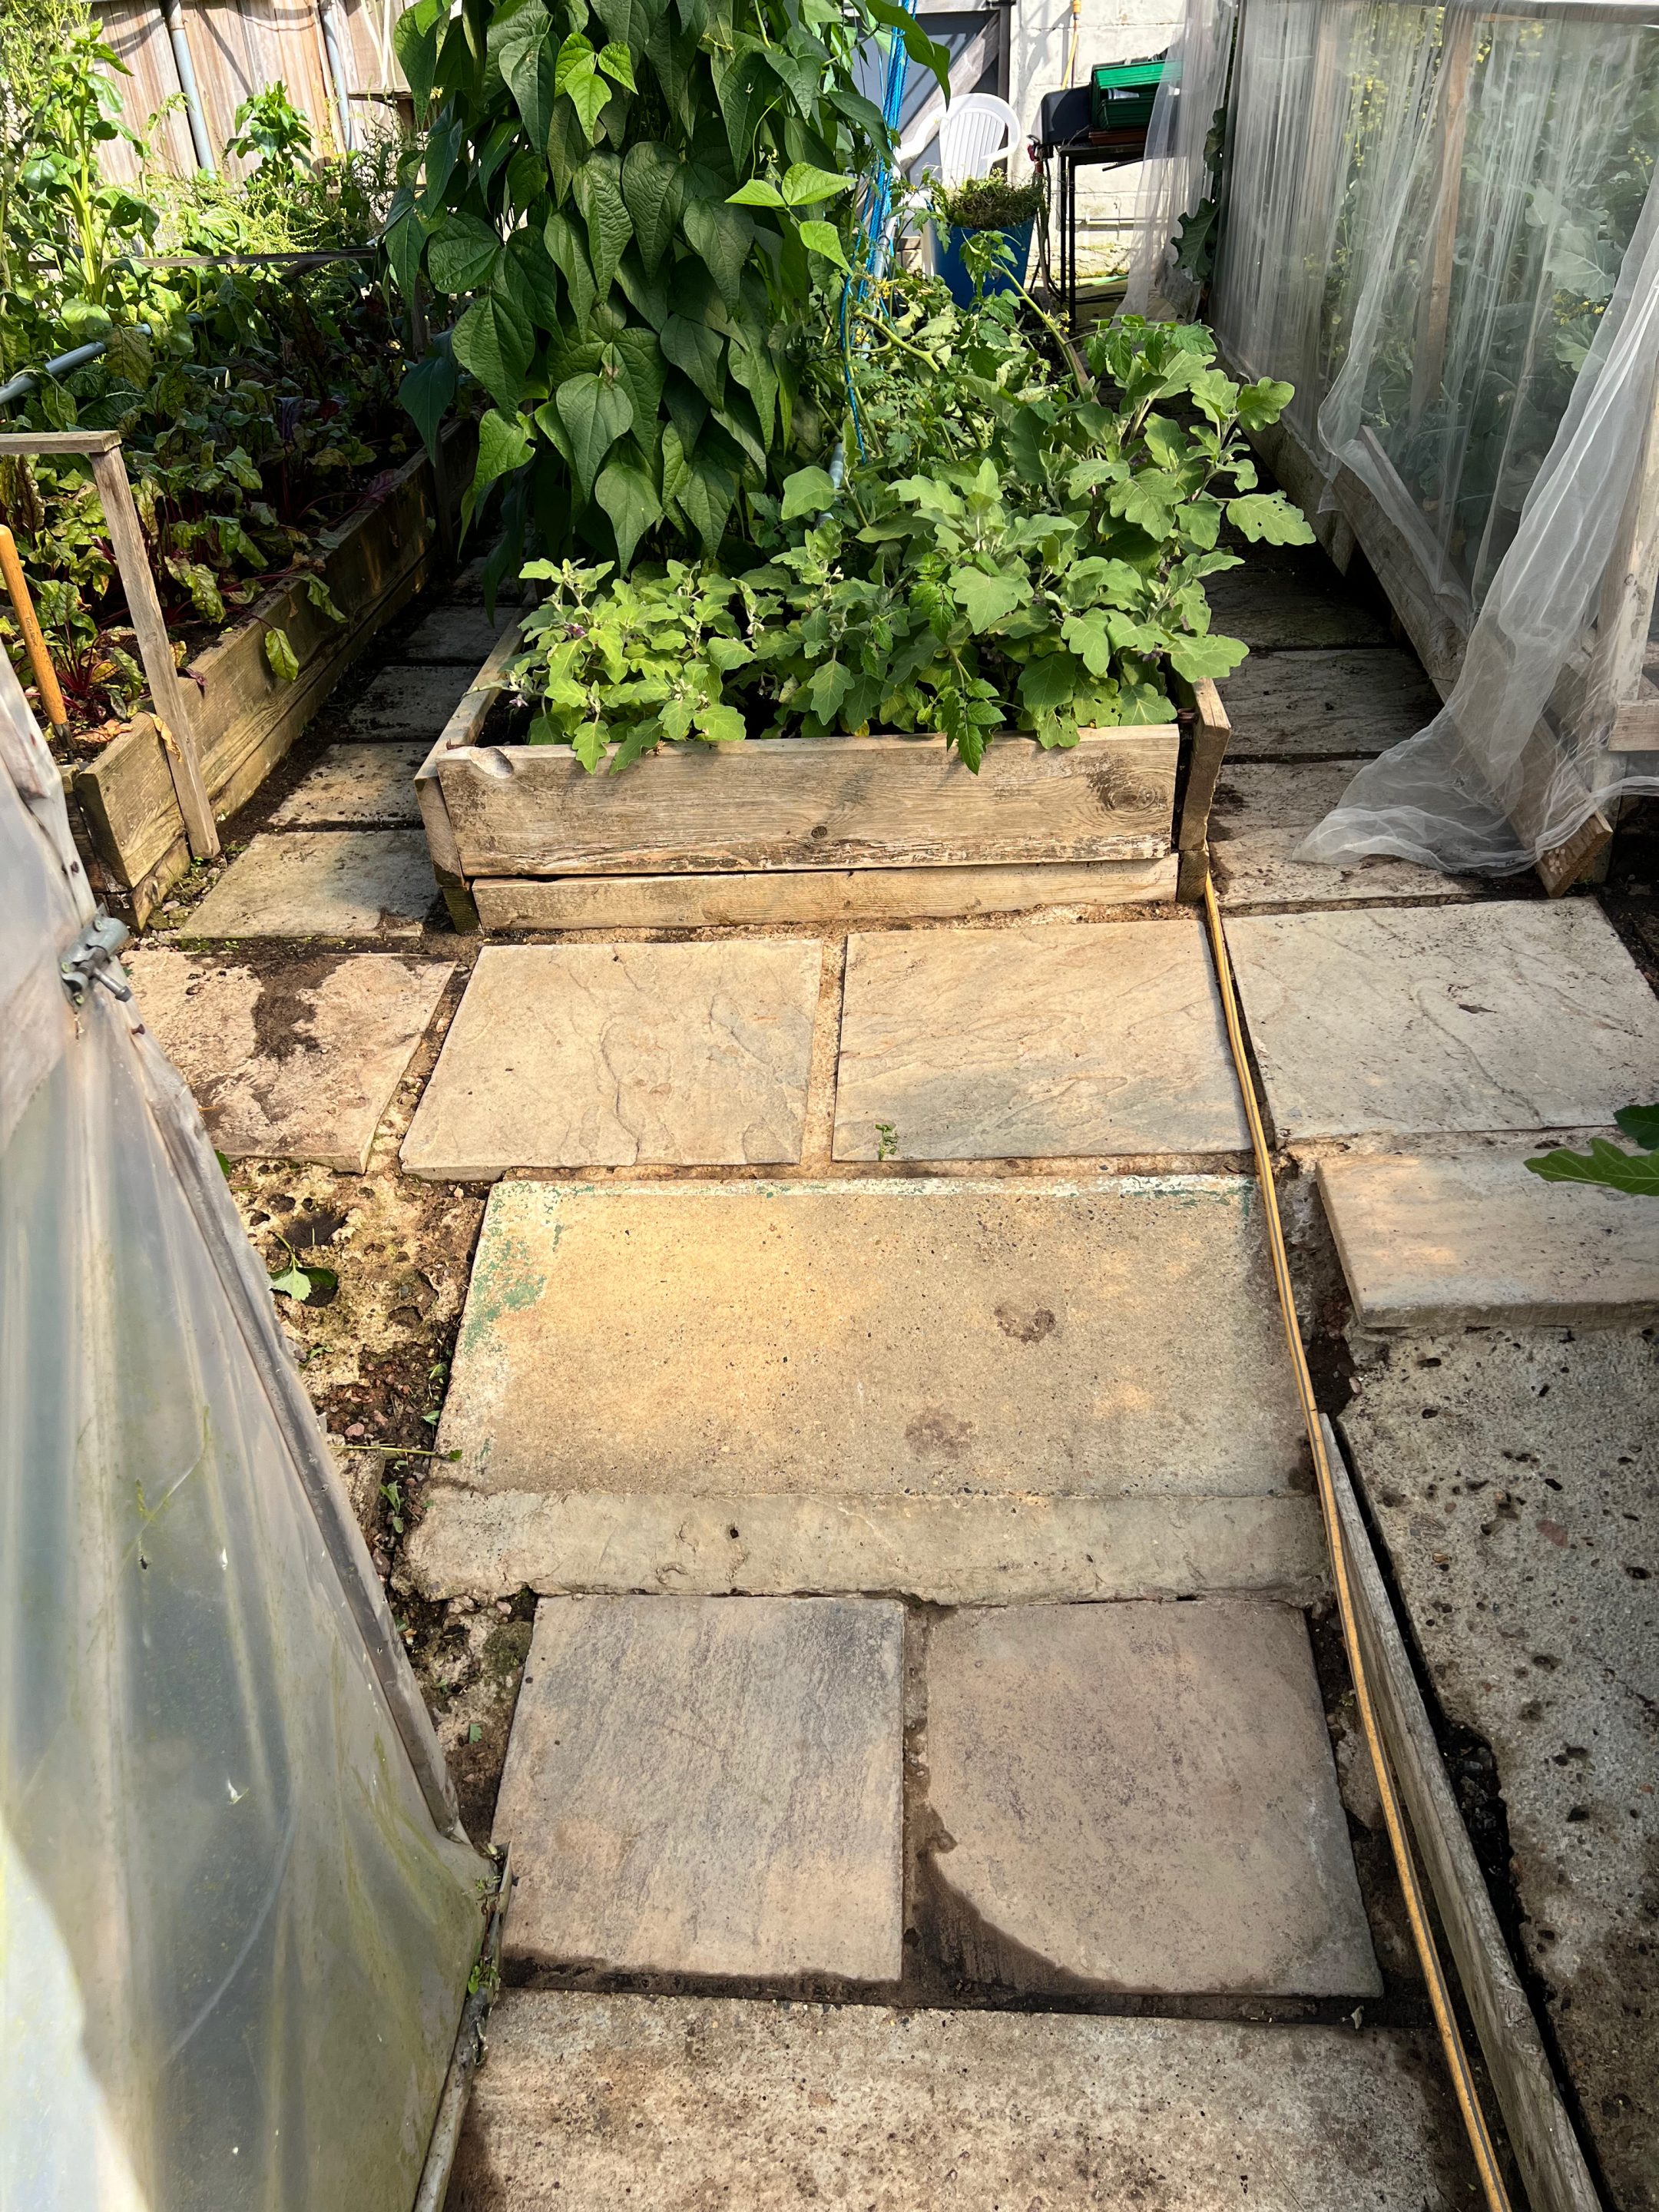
point(807, 186)
point(534, 279)
point(1262, 403)
point(1196, 658)
point(653, 190)
point(641, 369)
point(721, 237)
point(696, 350)
point(1640, 1124)
point(414, 42)
point(750, 364)
point(523, 47)
point(595, 412)
point(1606, 1163)
point(426, 393)
point(460, 254)
point(569, 256)
point(1267, 517)
point(597, 186)
point(705, 497)
point(823, 238)
point(625, 491)
point(504, 444)
point(1048, 682)
point(494, 338)
point(808, 491)
point(986, 599)
point(745, 87)
point(404, 240)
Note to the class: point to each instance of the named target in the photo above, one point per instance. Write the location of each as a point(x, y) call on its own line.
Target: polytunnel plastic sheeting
point(1439, 227)
point(233, 1944)
point(1174, 176)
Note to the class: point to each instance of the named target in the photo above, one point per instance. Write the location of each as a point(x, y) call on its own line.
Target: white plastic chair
point(977, 130)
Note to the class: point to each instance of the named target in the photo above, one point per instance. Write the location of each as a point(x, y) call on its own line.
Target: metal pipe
point(329, 16)
point(174, 16)
point(21, 385)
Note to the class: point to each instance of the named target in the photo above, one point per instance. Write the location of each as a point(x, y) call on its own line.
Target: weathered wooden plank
point(1636, 723)
point(1547, 2152)
point(816, 895)
point(1207, 749)
point(804, 802)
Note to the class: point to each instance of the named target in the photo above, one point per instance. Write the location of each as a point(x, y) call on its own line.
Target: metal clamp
point(91, 958)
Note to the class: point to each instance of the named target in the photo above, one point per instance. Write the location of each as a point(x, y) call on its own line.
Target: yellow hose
point(1457, 2063)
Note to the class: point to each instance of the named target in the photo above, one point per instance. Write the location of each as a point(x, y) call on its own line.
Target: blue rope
point(874, 240)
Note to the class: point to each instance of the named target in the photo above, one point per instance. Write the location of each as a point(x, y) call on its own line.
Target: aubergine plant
point(629, 205)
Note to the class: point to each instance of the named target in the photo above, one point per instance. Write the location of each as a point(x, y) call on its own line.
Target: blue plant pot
point(949, 263)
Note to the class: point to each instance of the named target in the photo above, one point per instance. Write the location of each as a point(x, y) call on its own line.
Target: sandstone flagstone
point(1138, 1797)
point(1476, 1238)
point(411, 703)
point(322, 883)
point(456, 630)
point(1330, 705)
point(356, 783)
point(1499, 1015)
point(709, 1786)
point(1262, 811)
point(578, 1056)
point(1043, 1041)
point(297, 1061)
point(1291, 596)
point(926, 1337)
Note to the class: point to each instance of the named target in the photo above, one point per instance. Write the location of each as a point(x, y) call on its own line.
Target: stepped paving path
point(869, 1571)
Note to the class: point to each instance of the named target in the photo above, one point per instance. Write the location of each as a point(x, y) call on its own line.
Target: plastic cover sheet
point(1438, 228)
point(233, 1944)
point(1174, 176)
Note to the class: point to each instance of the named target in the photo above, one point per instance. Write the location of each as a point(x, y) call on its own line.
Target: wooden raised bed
point(244, 718)
point(810, 830)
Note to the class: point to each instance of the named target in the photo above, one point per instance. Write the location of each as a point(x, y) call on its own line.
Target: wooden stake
point(46, 676)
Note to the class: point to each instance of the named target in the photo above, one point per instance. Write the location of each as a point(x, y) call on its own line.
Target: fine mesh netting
point(233, 1943)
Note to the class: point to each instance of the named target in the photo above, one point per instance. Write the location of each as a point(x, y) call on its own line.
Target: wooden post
point(1208, 749)
point(168, 694)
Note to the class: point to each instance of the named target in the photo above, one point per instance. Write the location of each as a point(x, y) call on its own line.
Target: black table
point(1066, 137)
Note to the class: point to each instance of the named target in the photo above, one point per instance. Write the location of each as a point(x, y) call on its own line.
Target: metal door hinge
point(91, 959)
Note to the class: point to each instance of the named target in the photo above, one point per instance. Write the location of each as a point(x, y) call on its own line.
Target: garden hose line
point(1457, 2064)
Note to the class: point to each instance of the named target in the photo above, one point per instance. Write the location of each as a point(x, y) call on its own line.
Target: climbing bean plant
point(629, 204)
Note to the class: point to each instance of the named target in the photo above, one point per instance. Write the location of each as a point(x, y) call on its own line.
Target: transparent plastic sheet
point(233, 1944)
point(1174, 178)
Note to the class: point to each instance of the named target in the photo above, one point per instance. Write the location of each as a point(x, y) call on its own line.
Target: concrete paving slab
point(578, 1055)
point(458, 631)
point(710, 1786)
point(1326, 705)
point(1513, 1477)
point(591, 2102)
point(921, 1338)
point(410, 702)
point(942, 1551)
point(1138, 1797)
point(296, 1063)
point(1411, 1020)
point(1044, 1041)
point(322, 883)
point(1262, 811)
point(1475, 1238)
point(1290, 597)
point(356, 783)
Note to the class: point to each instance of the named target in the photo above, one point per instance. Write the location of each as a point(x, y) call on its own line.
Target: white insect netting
point(234, 1944)
point(1439, 224)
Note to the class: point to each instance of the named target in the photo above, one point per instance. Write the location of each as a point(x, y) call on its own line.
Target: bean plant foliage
point(629, 203)
point(1020, 547)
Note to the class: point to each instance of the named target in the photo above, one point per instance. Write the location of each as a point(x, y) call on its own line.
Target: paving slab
point(296, 1062)
point(1261, 812)
point(580, 1056)
point(1138, 1797)
point(322, 883)
point(590, 2102)
point(409, 702)
point(1290, 597)
point(1044, 1041)
point(942, 1551)
point(457, 631)
point(709, 1786)
point(924, 1337)
point(1331, 705)
point(356, 783)
point(1475, 1238)
point(1411, 1020)
point(1513, 1476)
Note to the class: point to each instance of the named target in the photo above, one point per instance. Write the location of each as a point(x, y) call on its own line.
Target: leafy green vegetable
point(1608, 1163)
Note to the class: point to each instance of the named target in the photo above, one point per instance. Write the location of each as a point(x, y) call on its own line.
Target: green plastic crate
point(1120, 94)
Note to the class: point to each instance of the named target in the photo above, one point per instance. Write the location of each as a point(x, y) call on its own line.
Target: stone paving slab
point(1138, 1797)
point(924, 1338)
point(1290, 597)
point(409, 702)
point(1262, 811)
point(1407, 1021)
point(1473, 1239)
point(580, 1056)
point(1044, 1041)
point(709, 1786)
point(1513, 1476)
point(942, 1551)
point(296, 1063)
point(322, 883)
point(588, 2103)
point(1314, 705)
point(456, 631)
point(356, 783)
